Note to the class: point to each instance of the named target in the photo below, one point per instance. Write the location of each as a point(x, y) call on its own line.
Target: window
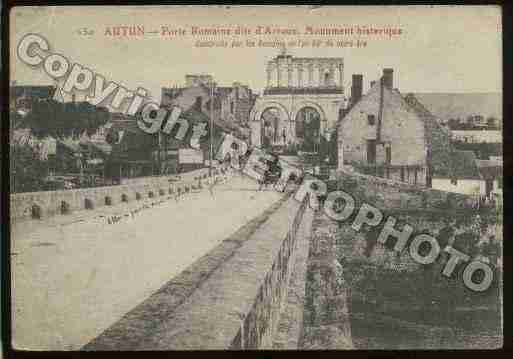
point(371, 120)
point(454, 181)
point(499, 182)
point(231, 107)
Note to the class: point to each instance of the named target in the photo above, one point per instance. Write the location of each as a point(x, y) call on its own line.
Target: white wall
point(464, 186)
point(476, 136)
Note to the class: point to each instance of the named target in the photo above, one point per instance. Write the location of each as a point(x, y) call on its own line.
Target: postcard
point(255, 177)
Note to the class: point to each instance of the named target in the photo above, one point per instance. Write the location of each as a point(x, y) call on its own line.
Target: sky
point(440, 49)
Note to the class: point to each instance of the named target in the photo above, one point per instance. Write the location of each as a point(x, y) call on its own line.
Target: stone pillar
point(332, 75)
point(340, 158)
point(256, 129)
point(289, 73)
point(299, 75)
point(321, 75)
point(278, 75)
point(310, 74)
point(341, 75)
point(269, 71)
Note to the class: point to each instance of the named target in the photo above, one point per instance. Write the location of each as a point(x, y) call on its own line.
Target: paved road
point(73, 276)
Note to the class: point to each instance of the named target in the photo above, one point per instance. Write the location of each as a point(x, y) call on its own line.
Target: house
point(231, 105)
point(385, 134)
point(477, 136)
point(464, 176)
point(186, 97)
point(491, 172)
point(236, 103)
point(471, 176)
point(131, 153)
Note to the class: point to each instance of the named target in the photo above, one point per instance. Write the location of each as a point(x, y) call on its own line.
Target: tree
point(58, 119)
point(27, 170)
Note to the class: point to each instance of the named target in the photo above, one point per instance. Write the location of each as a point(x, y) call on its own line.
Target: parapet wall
point(48, 203)
point(261, 322)
point(386, 193)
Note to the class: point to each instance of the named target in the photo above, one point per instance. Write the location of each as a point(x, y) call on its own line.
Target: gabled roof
point(437, 138)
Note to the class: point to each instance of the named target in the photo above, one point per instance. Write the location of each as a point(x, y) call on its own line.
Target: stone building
point(386, 134)
point(197, 91)
point(192, 80)
point(236, 102)
point(232, 104)
point(300, 103)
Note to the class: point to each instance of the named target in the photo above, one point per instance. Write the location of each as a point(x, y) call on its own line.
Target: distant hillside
point(461, 105)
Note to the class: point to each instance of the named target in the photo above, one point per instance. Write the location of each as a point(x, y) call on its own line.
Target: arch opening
point(36, 212)
point(308, 125)
point(65, 207)
point(273, 127)
point(88, 204)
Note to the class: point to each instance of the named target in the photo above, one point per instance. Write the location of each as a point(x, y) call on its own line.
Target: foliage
point(58, 119)
point(27, 170)
point(483, 151)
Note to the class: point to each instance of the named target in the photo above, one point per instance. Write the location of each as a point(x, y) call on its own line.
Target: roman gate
point(300, 103)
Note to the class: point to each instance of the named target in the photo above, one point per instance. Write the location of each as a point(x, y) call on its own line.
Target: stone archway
point(308, 128)
point(299, 106)
point(256, 112)
point(272, 124)
point(269, 120)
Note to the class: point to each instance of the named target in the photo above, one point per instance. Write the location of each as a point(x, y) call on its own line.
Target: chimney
point(356, 88)
point(388, 78)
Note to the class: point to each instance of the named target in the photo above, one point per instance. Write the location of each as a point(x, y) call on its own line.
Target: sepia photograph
point(189, 177)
